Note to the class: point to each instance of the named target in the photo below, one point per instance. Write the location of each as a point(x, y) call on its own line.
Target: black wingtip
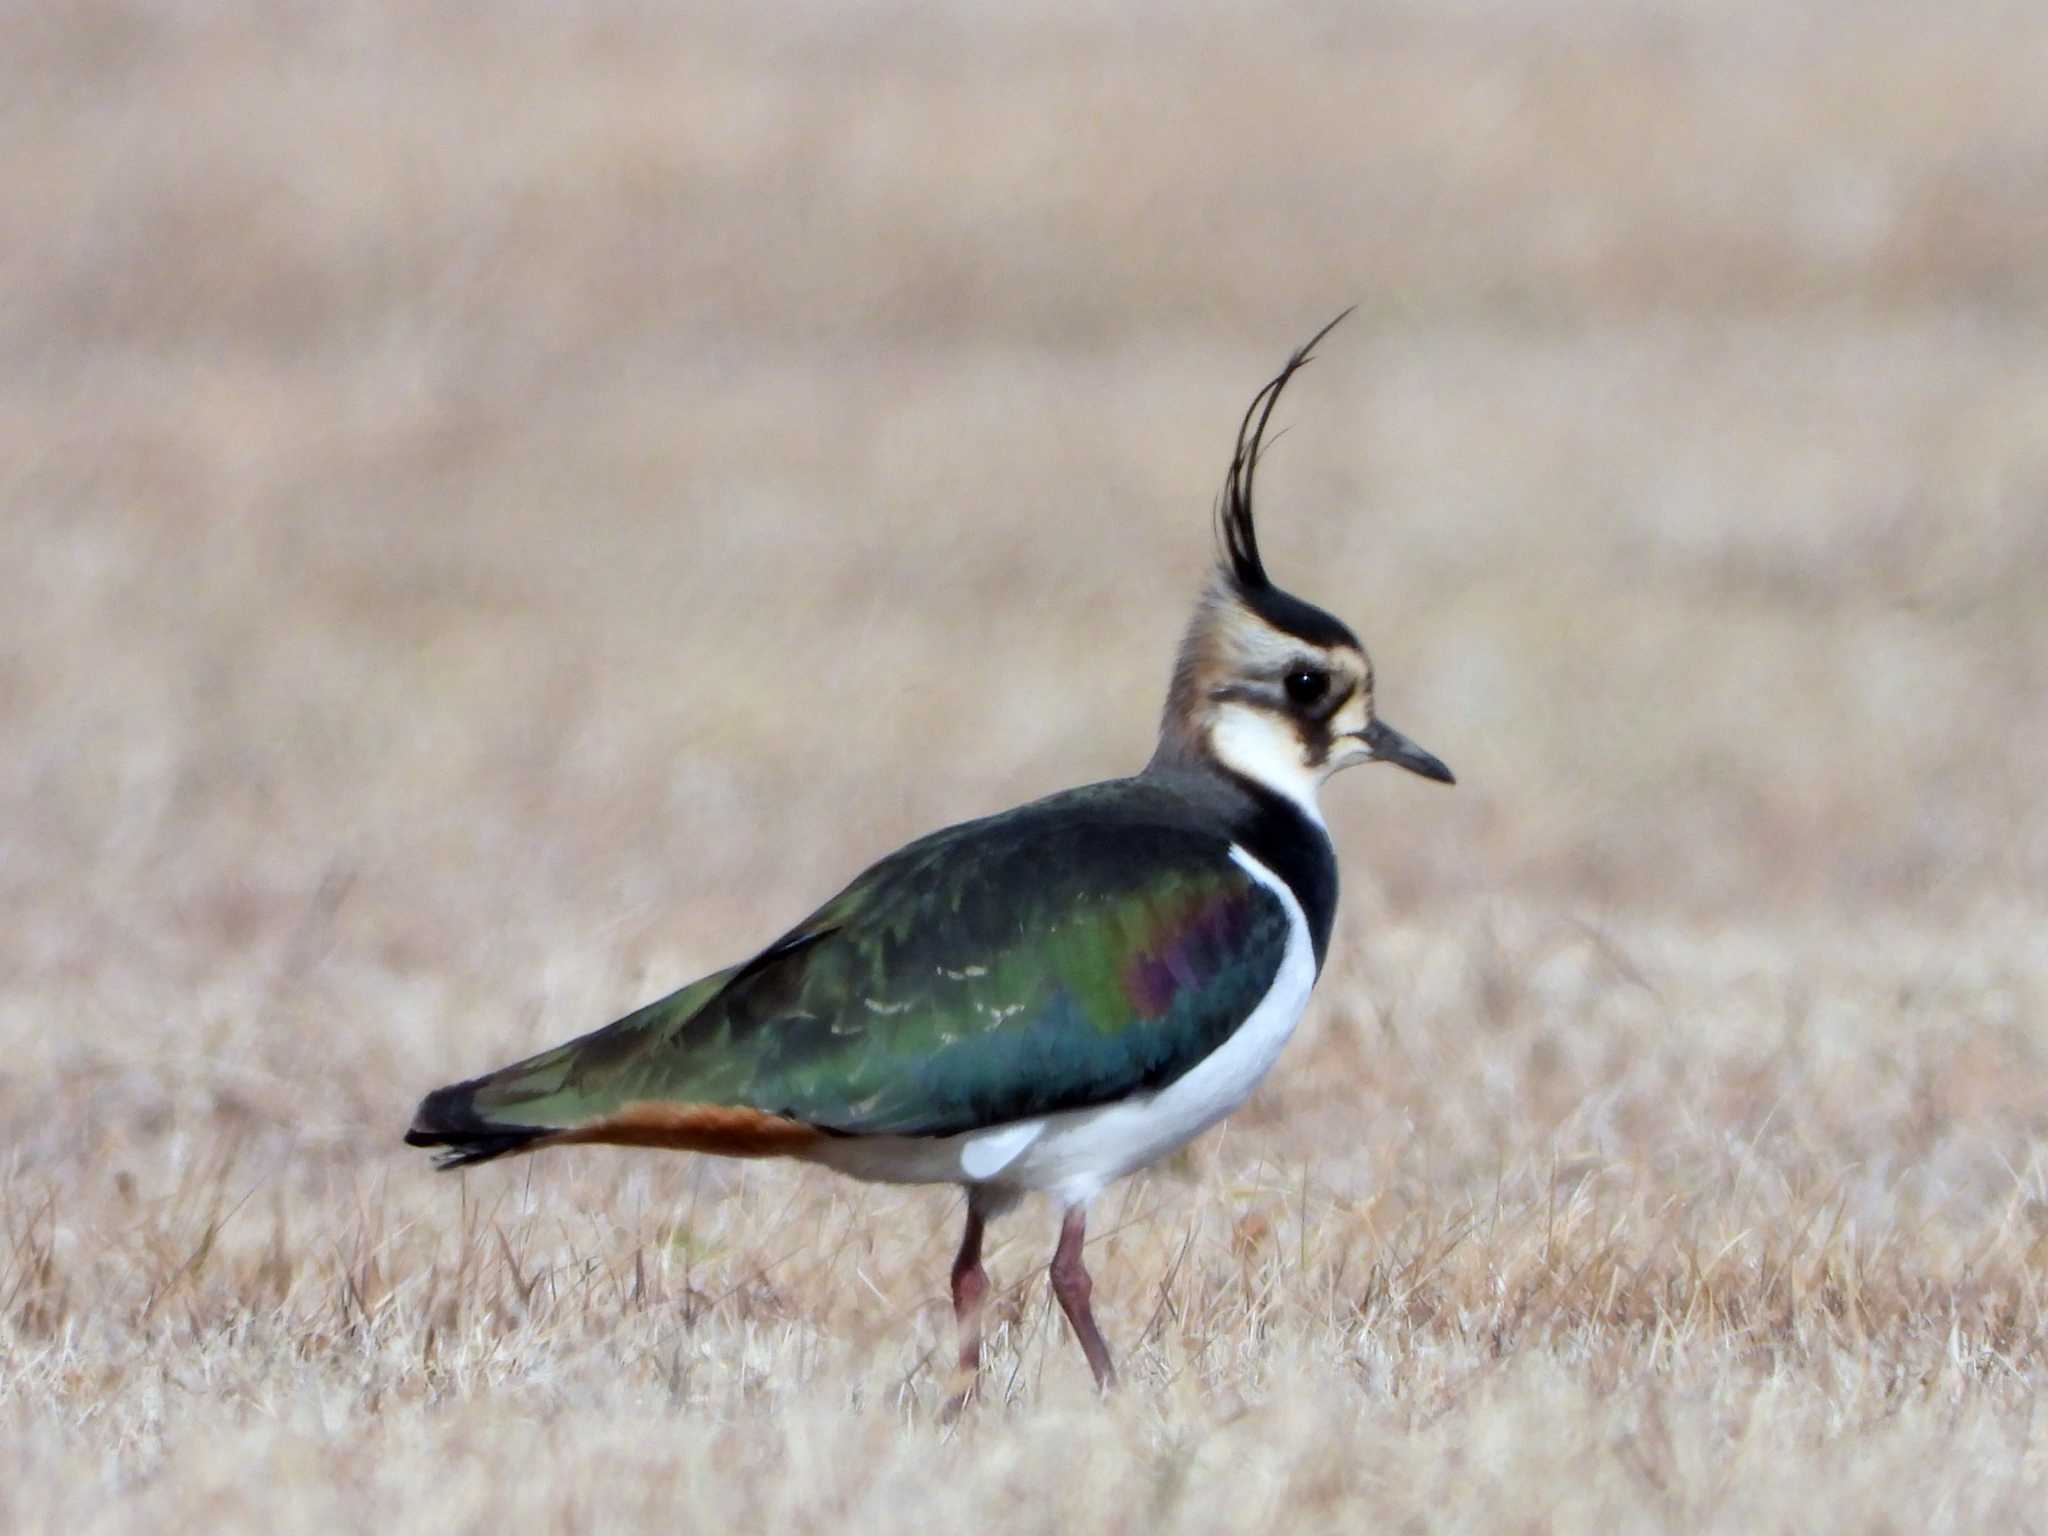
point(447, 1121)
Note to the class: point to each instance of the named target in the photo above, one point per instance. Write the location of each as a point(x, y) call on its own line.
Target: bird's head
point(1266, 685)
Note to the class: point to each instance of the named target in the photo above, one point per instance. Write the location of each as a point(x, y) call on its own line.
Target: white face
point(1288, 715)
point(1279, 709)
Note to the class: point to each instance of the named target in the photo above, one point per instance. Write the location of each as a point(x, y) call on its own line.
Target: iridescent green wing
point(1062, 955)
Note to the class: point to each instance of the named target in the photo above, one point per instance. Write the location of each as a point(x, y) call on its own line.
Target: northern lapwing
point(1042, 1000)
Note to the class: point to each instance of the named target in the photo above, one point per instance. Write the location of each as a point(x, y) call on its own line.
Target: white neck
point(1267, 751)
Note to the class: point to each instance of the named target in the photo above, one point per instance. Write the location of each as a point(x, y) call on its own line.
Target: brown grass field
point(507, 505)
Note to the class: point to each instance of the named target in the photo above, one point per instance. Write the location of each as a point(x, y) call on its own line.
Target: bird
point(1043, 1000)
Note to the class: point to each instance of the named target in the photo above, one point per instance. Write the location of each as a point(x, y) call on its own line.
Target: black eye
point(1306, 685)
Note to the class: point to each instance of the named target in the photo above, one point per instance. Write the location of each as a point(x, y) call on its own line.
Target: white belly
point(1073, 1154)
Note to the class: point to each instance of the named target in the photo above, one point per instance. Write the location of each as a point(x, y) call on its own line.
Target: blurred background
point(508, 505)
point(503, 507)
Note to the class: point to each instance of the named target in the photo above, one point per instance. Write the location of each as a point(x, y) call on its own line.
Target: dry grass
point(504, 510)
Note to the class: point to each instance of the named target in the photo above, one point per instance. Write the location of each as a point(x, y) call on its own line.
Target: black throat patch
point(1282, 836)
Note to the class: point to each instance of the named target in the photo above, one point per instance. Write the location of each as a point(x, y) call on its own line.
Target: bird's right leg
point(1070, 1283)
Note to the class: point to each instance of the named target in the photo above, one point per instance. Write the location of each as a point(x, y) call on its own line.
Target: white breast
point(1072, 1155)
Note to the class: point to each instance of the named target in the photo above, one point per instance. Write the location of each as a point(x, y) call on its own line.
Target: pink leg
point(970, 1289)
point(1070, 1283)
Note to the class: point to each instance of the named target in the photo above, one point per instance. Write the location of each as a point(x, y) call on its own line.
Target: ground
point(507, 506)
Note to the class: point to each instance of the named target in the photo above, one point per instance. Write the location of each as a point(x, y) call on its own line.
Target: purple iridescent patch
point(1188, 949)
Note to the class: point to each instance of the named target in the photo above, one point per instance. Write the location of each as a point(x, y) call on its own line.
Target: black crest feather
point(1234, 527)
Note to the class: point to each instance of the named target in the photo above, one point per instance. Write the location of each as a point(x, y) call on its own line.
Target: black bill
point(1390, 746)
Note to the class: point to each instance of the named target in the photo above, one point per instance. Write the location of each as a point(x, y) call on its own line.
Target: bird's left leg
point(970, 1289)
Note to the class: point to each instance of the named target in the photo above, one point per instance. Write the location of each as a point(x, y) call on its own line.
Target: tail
point(639, 1082)
point(449, 1119)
